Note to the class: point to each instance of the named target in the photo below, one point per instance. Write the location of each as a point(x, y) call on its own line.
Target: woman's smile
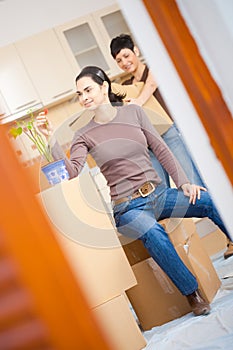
point(87, 104)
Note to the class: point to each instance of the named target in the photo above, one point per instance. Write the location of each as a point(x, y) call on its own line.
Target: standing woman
point(118, 138)
point(126, 55)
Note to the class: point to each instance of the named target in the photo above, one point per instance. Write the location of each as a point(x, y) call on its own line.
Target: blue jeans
point(175, 142)
point(138, 218)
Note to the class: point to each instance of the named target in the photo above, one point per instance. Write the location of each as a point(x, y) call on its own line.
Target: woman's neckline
point(139, 74)
point(107, 122)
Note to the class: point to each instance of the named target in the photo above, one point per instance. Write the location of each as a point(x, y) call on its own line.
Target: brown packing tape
point(162, 279)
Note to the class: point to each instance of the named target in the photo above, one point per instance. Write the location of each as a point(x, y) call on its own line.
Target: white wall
point(179, 103)
point(212, 27)
point(22, 18)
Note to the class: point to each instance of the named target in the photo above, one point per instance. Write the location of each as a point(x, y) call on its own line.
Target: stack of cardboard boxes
point(90, 244)
point(88, 237)
point(155, 298)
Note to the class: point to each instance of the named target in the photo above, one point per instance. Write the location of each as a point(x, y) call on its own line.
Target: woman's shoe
point(229, 251)
point(198, 304)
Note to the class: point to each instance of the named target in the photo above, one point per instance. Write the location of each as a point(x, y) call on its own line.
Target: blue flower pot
point(56, 172)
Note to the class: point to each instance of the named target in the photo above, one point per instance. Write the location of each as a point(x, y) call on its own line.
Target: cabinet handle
point(26, 104)
point(63, 93)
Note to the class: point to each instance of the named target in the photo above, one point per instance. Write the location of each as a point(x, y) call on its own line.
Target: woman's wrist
point(51, 140)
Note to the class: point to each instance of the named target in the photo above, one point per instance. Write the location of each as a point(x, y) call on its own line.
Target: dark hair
point(123, 41)
point(99, 76)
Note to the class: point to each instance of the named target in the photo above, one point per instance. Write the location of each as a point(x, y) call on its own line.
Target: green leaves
point(30, 125)
point(16, 131)
point(30, 130)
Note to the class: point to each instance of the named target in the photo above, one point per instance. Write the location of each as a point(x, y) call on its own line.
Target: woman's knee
point(156, 236)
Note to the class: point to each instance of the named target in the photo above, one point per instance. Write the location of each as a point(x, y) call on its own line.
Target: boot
point(198, 304)
point(229, 251)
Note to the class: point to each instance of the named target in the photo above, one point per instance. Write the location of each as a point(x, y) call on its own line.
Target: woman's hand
point(134, 101)
point(43, 124)
point(192, 191)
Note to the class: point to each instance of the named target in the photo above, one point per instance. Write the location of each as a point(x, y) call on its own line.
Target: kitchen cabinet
point(111, 23)
point(82, 45)
point(86, 40)
point(4, 110)
point(16, 86)
point(47, 66)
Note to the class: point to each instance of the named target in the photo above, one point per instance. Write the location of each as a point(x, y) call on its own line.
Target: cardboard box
point(155, 299)
point(179, 230)
point(134, 250)
point(183, 234)
point(76, 209)
point(157, 115)
point(199, 263)
point(214, 242)
point(119, 325)
point(103, 273)
point(213, 239)
point(88, 238)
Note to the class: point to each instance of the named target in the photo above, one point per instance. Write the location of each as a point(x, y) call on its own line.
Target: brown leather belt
point(144, 191)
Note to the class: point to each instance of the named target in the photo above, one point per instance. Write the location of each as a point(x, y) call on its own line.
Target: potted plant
point(55, 171)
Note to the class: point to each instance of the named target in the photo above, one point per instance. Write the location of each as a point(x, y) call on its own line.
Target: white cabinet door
point(15, 83)
point(111, 23)
point(4, 110)
point(84, 44)
point(47, 65)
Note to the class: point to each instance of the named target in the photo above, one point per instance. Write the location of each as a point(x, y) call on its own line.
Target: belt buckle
point(148, 193)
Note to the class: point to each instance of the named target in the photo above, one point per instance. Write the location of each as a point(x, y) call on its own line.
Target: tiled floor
point(212, 332)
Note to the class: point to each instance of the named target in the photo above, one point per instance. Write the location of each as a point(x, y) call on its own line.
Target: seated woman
point(118, 138)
